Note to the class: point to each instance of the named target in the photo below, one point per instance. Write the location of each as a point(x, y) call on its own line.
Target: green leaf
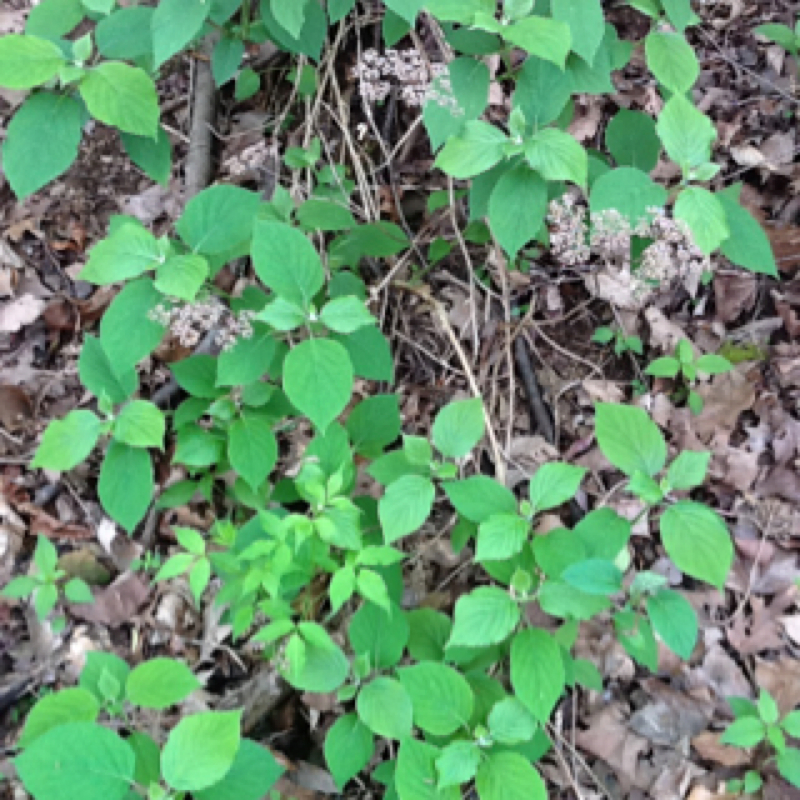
point(748, 245)
point(253, 773)
point(248, 360)
point(126, 33)
point(479, 497)
point(745, 732)
point(348, 748)
point(219, 220)
point(384, 706)
point(78, 591)
point(688, 469)
point(632, 139)
point(713, 364)
point(126, 484)
point(27, 61)
point(122, 96)
point(542, 91)
point(586, 24)
point(312, 36)
point(549, 39)
point(767, 707)
point(160, 683)
point(685, 132)
point(374, 423)
point(197, 375)
point(313, 365)
point(29, 166)
point(791, 724)
point(346, 314)
point(557, 156)
point(182, 276)
point(339, 9)
point(252, 448)
point(775, 32)
point(53, 19)
point(248, 82)
point(457, 764)
point(126, 331)
point(789, 765)
point(200, 750)
point(441, 697)
point(664, 367)
point(148, 758)
point(19, 587)
point(458, 427)
point(415, 777)
point(509, 776)
point(672, 61)
point(45, 599)
point(697, 541)
point(98, 377)
point(629, 439)
point(679, 13)
point(629, 191)
point(476, 149)
point(511, 723)
point(322, 666)
point(383, 636)
point(595, 576)
point(60, 708)
point(290, 16)
point(500, 537)
point(104, 675)
point(175, 23)
point(405, 506)
point(318, 214)
point(226, 59)
point(68, 441)
point(140, 424)
point(152, 156)
point(554, 484)
point(517, 207)
point(704, 215)
point(196, 447)
point(429, 632)
point(485, 616)
point(77, 761)
point(537, 671)
point(128, 252)
point(372, 587)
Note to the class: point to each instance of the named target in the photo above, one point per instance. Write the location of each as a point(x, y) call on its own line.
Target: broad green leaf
point(679, 13)
point(664, 367)
point(674, 620)
point(27, 61)
point(77, 761)
point(384, 706)
point(252, 448)
point(53, 19)
point(429, 632)
point(248, 83)
point(323, 666)
point(789, 765)
point(748, 245)
point(405, 506)
point(500, 537)
point(672, 61)
point(383, 636)
point(376, 239)
point(629, 191)
point(339, 9)
point(348, 748)
point(407, 9)
point(369, 353)
point(346, 314)
point(201, 749)
point(182, 276)
point(537, 671)
point(59, 708)
point(312, 35)
point(197, 375)
point(479, 497)
point(688, 469)
point(594, 576)
point(632, 139)
point(511, 723)
point(160, 683)
point(252, 775)
point(416, 777)
point(126, 484)
point(219, 220)
point(791, 724)
point(549, 39)
point(476, 149)
point(704, 215)
point(226, 59)
point(509, 776)
point(441, 697)
point(286, 262)
point(685, 132)
point(197, 447)
point(29, 166)
point(318, 214)
point(128, 252)
point(629, 439)
point(517, 207)
point(697, 541)
point(152, 156)
point(290, 15)
point(586, 24)
point(745, 732)
point(148, 758)
point(140, 424)
point(175, 23)
point(557, 156)
point(67, 442)
point(554, 484)
point(457, 764)
point(458, 427)
point(542, 91)
point(126, 33)
point(104, 675)
point(485, 616)
point(372, 587)
point(126, 331)
point(374, 423)
point(248, 360)
point(318, 380)
point(713, 364)
point(122, 96)
point(775, 32)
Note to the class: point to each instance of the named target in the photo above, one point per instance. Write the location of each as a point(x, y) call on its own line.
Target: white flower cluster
point(190, 322)
point(407, 70)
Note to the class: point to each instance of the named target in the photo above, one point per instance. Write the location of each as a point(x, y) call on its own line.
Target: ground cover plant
point(429, 595)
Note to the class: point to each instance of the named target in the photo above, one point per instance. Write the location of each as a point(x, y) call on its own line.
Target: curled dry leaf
point(16, 408)
point(781, 678)
point(116, 604)
point(709, 747)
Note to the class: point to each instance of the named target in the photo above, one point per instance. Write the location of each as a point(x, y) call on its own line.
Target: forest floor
point(644, 736)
